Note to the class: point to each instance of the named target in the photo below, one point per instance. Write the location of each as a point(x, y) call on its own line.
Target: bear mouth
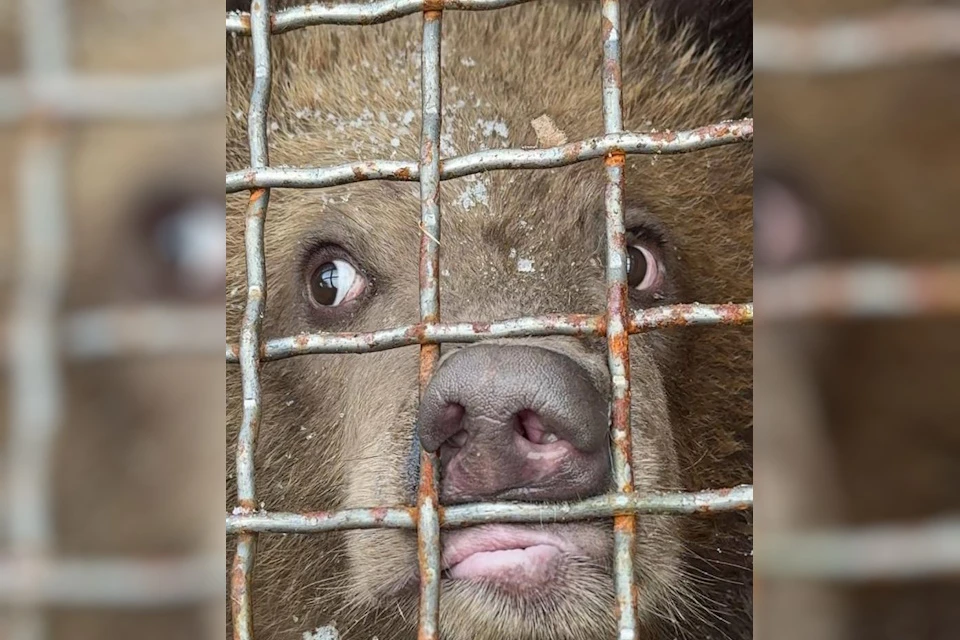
point(517, 557)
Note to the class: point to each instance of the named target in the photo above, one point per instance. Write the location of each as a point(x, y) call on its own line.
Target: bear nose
point(515, 422)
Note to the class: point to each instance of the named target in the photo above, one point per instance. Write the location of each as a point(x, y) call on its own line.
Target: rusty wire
point(898, 36)
point(864, 290)
point(571, 325)
point(241, 575)
point(366, 13)
point(616, 324)
point(428, 520)
point(663, 142)
point(618, 342)
point(606, 506)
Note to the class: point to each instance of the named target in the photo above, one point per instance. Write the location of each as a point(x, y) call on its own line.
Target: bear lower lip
point(517, 556)
point(528, 566)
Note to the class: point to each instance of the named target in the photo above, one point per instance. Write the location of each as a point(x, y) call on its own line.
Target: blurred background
point(857, 338)
point(111, 319)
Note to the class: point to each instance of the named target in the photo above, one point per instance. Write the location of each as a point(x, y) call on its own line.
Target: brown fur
point(336, 429)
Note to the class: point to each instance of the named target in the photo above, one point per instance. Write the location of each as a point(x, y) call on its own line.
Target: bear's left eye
point(334, 283)
point(644, 272)
point(180, 246)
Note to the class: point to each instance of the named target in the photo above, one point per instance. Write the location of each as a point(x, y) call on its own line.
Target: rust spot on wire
point(607, 27)
point(427, 152)
point(734, 313)
point(615, 159)
point(611, 71)
point(429, 354)
point(403, 173)
point(481, 327)
point(432, 9)
point(240, 587)
point(416, 332)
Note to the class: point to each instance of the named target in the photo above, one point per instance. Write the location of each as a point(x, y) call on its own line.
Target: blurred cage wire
point(43, 101)
point(886, 39)
point(248, 520)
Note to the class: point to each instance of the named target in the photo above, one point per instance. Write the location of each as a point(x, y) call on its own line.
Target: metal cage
point(428, 516)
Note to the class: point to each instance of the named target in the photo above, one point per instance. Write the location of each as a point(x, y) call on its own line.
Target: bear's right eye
point(334, 283)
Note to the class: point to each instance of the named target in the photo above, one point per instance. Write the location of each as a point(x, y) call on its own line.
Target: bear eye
point(334, 283)
point(643, 268)
point(190, 241)
point(179, 243)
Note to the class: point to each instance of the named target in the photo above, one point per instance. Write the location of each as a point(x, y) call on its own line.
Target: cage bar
point(898, 36)
point(95, 97)
point(569, 325)
point(606, 506)
point(241, 576)
point(36, 385)
point(117, 332)
point(922, 551)
point(111, 582)
point(349, 13)
point(864, 290)
point(663, 142)
point(618, 339)
point(428, 522)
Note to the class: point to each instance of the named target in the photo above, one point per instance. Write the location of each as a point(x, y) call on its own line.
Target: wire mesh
point(43, 100)
point(616, 325)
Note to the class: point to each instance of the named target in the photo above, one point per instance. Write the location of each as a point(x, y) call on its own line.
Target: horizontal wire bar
point(888, 552)
point(100, 97)
point(110, 582)
point(95, 334)
point(350, 13)
point(663, 142)
point(863, 290)
point(735, 499)
point(897, 36)
point(571, 325)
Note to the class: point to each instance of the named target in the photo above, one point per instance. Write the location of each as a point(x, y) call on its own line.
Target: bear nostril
point(451, 418)
point(457, 440)
point(530, 426)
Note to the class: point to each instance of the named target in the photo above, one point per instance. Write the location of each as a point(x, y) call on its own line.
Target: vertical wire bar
point(618, 340)
point(36, 401)
point(241, 575)
point(428, 523)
